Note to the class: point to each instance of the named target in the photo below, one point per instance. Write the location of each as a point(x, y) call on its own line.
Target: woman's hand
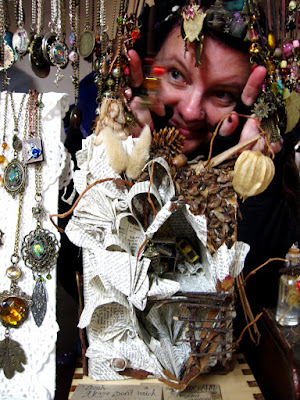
point(137, 104)
point(250, 93)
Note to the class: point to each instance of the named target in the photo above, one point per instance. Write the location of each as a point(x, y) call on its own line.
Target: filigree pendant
point(15, 177)
point(40, 250)
point(12, 357)
point(39, 298)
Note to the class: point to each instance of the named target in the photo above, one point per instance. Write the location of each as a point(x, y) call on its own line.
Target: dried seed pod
point(253, 172)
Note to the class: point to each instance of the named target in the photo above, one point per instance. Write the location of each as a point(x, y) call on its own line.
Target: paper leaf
point(12, 356)
point(292, 105)
point(39, 298)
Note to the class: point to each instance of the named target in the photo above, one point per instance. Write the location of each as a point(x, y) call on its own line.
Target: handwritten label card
point(194, 392)
point(118, 392)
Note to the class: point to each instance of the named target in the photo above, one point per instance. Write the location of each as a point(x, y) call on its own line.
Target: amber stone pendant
point(14, 307)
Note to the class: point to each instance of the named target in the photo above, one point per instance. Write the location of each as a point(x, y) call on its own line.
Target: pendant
point(58, 54)
point(36, 51)
point(193, 22)
point(75, 118)
point(20, 41)
point(14, 177)
point(39, 298)
point(9, 58)
point(40, 250)
point(86, 44)
point(38, 64)
point(32, 150)
point(14, 307)
point(42, 71)
point(48, 40)
point(12, 357)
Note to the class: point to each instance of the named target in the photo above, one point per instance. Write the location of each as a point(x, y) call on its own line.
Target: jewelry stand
point(37, 381)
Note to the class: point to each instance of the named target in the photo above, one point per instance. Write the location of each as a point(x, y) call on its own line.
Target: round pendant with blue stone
point(14, 177)
point(40, 250)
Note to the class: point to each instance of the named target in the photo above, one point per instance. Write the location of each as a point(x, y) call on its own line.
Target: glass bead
point(13, 311)
point(283, 64)
point(296, 43)
point(48, 276)
point(271, 41)
point(292, 5)
point(277, 52)
point(287, 49)
point(2, 159)
point(4, 145)
point(13, 272)
point(1, 181)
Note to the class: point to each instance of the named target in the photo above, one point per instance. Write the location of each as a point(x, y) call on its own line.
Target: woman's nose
point(191, 106)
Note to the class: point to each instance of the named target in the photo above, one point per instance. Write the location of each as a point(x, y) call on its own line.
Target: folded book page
point(132, 312)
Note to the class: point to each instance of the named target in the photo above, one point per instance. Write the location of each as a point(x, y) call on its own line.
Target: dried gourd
point(253, 172)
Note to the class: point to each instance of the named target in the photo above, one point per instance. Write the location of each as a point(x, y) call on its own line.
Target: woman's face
point(200, 96)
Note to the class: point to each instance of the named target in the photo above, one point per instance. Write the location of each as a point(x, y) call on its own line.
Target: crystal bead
point(2, 159)
point(13, 272)
point(4, 145)
point(13, 311)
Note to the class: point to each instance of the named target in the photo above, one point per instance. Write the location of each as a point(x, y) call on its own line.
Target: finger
point(250, 130)
point(253, 85)
point(229, 125)
point(136, 69)
point(157, 106)
point(276, 146)
point(142, 114)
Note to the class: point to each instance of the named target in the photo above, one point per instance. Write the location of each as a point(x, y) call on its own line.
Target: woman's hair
point(157, 21)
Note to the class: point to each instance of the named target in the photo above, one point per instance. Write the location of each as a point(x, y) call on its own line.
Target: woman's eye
point(176, 76)
point(225, 96)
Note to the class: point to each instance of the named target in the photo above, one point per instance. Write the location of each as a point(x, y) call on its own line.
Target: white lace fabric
point(37, 381)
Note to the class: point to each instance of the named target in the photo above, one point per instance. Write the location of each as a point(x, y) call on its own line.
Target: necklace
point(40, 246)
point(15, 171)
point(7, 53)
point(39, 65)
point(20, 40)
point(74, 7)
point(14, 307)
point(87, 38)
point(58, 51)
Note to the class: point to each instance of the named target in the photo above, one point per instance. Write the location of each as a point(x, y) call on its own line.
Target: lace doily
point(37, 382)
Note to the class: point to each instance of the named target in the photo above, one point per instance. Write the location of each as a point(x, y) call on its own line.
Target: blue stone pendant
point(32, 150)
